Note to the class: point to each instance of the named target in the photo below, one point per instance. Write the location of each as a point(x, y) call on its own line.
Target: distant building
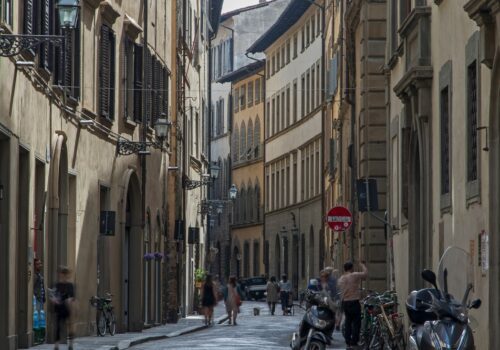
point(293, 226)
point(228, 54)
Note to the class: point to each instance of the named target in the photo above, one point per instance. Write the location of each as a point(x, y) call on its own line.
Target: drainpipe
point(144, 123)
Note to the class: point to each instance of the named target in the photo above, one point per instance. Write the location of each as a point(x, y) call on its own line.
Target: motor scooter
point(317, 325)
point(438, 320)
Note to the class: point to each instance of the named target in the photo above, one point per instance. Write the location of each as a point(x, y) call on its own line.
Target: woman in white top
point(285, 290)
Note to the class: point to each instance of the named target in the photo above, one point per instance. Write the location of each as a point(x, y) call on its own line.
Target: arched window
point(249, 151)
point(246, 259)
point(256, 138)
point(243, 205)
point(236, 143)
point(227, 177)
point(250, 202)
point(257, 201)
point(243, 140)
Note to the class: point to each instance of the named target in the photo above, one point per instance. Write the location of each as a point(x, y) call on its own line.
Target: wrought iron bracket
point(13, 44)
point(192, 184)
point(126, 147)
point(210, 206)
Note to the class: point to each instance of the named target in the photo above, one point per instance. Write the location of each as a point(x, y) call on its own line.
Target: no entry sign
point(339, 218)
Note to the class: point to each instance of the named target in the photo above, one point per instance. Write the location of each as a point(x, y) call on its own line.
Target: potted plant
point(199, 277)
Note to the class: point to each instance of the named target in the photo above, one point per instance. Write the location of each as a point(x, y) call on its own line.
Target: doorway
point(4, 237)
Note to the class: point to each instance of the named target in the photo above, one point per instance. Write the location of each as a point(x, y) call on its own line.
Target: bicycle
point(105, 317)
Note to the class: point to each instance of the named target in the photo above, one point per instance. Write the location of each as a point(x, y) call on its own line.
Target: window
point(303, 96)
point(287, 184)
point(133, 80)
point(268, 69)
point(256, 138)
point(283, 110)
point(243, 140)
point(313, 89)
point(273, 117)
point(288, 106)
point(445, 141)
point(294, 101)
point(308, 32)
point(318, 22)
point(267, 189)
point(250, 142)
point(313, 29)
point(273, 64)
point(283, 56)
point(295, 45)
point(319, 90)
point(236, 142)
point(472, 149)
point(250, 94)
point(283, 188)
point(236, 102)
point(243, 97)
point(288, 48)
point(257, 91)
point(262, 89)
point(295, 179)
point(278, 61)
point(268, 122)
point(308, 92)
point(107, 73)
point(278, 105)
point(303, 37)
point(6, 11)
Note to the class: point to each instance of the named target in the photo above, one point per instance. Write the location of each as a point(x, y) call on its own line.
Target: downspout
point(323, 116)
point(209, 136)
point(145, 96)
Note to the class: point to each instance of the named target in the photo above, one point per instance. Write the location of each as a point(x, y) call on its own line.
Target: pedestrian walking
point(272, 289)
point(208, 299)
point(63, 297)
point(39, 285)
point(232, 299)
point(285, 290)
point(350, 284)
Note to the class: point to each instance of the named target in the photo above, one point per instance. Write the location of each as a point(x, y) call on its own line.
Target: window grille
point(472, 121)
point(445, 142)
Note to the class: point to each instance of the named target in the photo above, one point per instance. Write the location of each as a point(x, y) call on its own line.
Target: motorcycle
point(438, 320)
point(317, 325)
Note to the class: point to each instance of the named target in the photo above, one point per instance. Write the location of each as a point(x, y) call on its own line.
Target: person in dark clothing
point(39, 285)
point(208, 299)
point(62, 296)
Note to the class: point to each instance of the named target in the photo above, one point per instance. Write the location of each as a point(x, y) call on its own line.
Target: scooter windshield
point(455, 272)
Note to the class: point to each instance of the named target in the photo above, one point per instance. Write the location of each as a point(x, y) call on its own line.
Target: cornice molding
point(415, 78)
point(412, 19)
point(132, 28)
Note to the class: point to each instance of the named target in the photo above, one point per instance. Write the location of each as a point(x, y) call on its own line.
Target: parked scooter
point(439, 321)
point(317, 325)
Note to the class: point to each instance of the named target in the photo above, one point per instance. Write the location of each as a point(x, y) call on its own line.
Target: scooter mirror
point(476, 304)
point(430, 277)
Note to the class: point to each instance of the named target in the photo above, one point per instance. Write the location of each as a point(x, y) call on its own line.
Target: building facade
point(293, 144)
point(442, 99)
point(65, 165)
point(247, 155)
point(228, 54)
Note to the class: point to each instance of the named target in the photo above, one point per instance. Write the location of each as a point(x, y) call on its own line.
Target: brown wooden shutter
point(112, 70)
point(138, 86)
point(104, 72)
point(127, 47)
point(149, 86)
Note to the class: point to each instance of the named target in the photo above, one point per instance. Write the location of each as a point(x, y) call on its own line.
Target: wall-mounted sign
point(484, 252)
point(339, 219)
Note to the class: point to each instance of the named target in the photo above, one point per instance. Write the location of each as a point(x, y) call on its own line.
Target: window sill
point(445, 203)
point(473, 192)
point(130, 123)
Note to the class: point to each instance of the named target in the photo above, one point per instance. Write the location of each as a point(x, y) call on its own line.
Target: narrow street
point(252, 332)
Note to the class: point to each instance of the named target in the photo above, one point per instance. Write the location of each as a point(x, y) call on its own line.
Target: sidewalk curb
point(126, 344)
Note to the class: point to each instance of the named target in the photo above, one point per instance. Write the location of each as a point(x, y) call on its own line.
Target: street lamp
point(125, 147)
point(13, 44)
point(206, 180)
point(68, 13)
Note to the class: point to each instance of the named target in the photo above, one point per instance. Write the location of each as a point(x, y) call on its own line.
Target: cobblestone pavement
point(252, 332)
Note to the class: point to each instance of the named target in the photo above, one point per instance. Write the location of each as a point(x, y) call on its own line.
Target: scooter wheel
point(316, 345)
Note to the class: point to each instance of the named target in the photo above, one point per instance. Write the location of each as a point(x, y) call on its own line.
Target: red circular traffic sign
point(339, 218)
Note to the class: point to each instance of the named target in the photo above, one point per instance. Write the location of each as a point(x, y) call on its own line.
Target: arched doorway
point(277, 257)
point(132, 260)
point(237, 261)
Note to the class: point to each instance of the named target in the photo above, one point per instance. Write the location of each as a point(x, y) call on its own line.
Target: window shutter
point(138, 85)
point(332, 165)
point(112, 65)
point(332, 81)
point(45, 30)
point(230, 48)
point(127, 47)
point(148, 85)
point(104, 73)
point(28, 17)
point(58, 58)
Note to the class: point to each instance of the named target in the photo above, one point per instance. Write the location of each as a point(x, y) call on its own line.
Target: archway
point(132, 260)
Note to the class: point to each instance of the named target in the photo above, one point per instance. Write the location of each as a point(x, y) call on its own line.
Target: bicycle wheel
point(111, 322)
point(376, 341)
point(101, 322)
